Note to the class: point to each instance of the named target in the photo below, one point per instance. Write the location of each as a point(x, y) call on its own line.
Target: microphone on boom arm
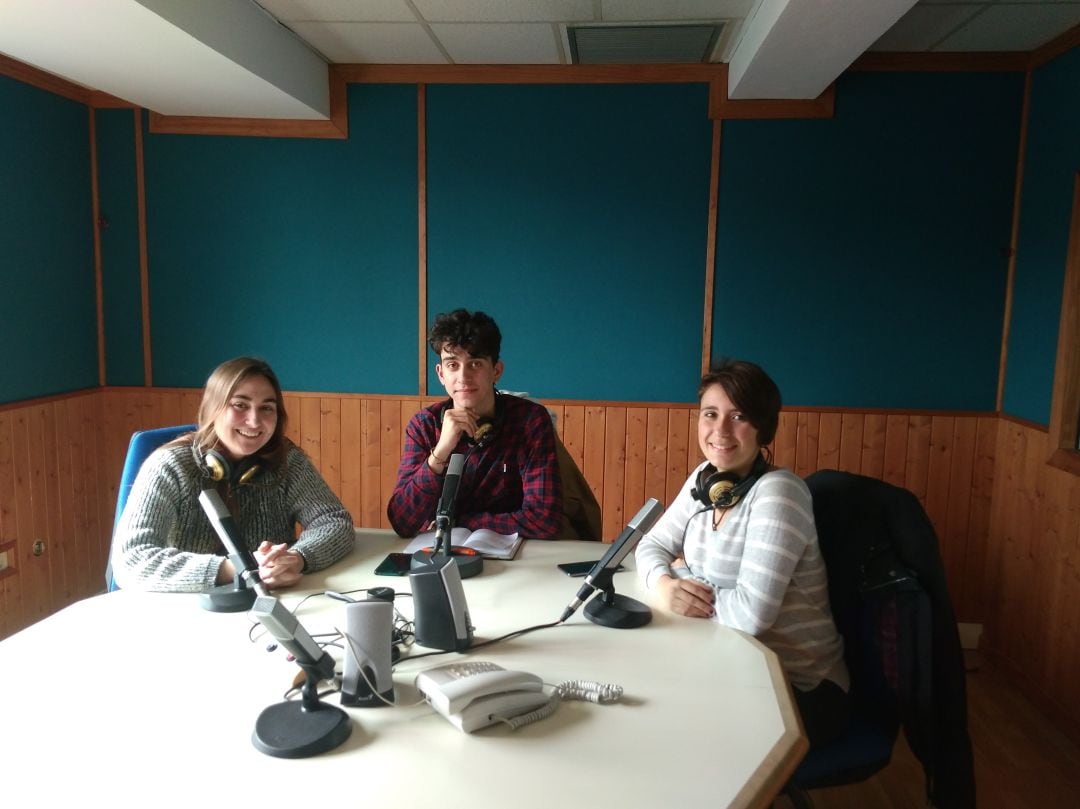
point(444, 512)
point(287, 729)
point(611, 609)
point(440, 612)
point(239, 595)
point(469, 562)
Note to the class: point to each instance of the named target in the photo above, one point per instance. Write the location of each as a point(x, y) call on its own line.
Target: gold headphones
point(218, 468)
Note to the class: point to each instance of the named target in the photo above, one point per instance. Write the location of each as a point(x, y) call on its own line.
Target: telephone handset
point(474, 695)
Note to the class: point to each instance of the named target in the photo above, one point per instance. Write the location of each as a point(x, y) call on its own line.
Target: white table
point(129, 699)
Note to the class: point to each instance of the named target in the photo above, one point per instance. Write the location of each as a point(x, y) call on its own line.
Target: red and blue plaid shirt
point(510, 484)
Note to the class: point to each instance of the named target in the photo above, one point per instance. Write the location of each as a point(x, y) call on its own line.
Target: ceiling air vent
point(642, 44)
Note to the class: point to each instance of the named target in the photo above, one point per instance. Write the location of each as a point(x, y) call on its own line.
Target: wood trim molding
point(1065, 401)
point(58, 397)
point(95, 212)
point(103, 101)
point(27, 74)
point(721, 107)
point(1031, 425)
point(421, 176)
point(710, 247)
point(1014, 238)
point(336, 128)
point(144, 258)
point(1055, 47)
point(990, 62)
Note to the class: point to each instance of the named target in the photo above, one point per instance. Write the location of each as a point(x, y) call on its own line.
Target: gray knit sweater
point(165, 542)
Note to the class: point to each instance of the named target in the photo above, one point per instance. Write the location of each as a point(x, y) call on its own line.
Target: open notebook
point(487, 543)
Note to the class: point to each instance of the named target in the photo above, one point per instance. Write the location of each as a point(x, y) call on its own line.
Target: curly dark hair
point(751, 390)
point(475, 332)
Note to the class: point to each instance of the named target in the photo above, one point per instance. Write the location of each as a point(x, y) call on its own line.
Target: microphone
point(288, 729)
point(469, 562)
point(599, 578)
point(239, 595)
point(444, 513)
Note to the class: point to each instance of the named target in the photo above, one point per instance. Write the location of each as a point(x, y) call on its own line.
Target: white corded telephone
point(476, 694)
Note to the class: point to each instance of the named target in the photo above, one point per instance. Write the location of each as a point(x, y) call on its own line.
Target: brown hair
point(220, 386)
point(751, 390)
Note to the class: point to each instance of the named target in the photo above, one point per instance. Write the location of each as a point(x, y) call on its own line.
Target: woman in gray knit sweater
point(164, 540)
point(744, 533)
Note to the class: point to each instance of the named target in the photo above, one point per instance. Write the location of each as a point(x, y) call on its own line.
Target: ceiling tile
point(1014, 27)
point(925, 26)
point(658, 10)
point(339, 10)
point(371, 43)
point(500, 44)
point(505, 10)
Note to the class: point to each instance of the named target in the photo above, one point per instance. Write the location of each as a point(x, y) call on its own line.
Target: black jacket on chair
point(872, 531)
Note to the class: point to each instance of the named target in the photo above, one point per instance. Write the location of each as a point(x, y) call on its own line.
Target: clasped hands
point(686, 596)
point(279, 566)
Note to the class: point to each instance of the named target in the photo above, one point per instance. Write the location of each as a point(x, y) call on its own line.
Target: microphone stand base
point(469, 562)
point(618, 612)
point(227, 598)
point(289, 730)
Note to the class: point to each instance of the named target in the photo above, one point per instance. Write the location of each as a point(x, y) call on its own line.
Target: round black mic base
point(227, 598)
point(619, 612)
point(288, 730)
point(469, 562)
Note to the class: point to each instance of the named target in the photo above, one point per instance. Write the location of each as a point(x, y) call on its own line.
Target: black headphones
point(725, 489)
point(218, 468)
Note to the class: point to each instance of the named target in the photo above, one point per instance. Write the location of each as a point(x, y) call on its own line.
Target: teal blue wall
point(1050, 165)
point(575, 216)
point(300, 251)
point(118, 205)
point(48, 327)
point(861, 260)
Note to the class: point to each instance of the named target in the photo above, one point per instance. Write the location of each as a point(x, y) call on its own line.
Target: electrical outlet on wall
point(7, 559)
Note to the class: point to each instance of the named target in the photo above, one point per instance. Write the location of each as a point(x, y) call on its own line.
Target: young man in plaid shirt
point(511, 477)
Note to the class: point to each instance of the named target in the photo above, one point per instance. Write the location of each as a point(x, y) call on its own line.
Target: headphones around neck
point(218, 468)
point(724, 489)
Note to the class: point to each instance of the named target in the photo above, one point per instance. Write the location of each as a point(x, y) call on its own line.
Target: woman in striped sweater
point(738, 545)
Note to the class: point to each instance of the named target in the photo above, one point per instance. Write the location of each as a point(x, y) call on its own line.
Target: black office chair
point(890, 602)
point(142, 443)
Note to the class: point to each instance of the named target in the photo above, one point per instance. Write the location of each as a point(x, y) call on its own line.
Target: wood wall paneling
point(11, 618)
point(1031, 589)
point(1007, 522)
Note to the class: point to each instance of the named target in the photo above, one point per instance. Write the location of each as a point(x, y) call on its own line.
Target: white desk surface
point(132, 699)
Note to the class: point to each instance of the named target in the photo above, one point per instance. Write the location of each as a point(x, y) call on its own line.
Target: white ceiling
point(267, 58)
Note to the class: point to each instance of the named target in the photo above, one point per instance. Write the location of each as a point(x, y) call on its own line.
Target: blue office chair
point(143, 442)
point(891, 604)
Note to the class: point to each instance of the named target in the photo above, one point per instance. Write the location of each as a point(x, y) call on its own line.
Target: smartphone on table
point(395, 564)
point(580, 568)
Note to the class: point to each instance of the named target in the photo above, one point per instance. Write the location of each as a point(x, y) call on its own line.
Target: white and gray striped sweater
point(765, 567)
point(165, 542)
